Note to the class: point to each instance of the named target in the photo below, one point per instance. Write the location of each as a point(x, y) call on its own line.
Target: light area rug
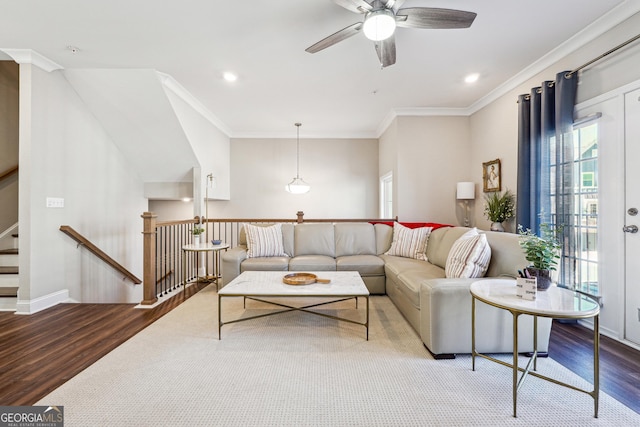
point(298, 369)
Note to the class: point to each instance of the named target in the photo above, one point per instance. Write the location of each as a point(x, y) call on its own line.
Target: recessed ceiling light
point(229, 76)
point(472, 78)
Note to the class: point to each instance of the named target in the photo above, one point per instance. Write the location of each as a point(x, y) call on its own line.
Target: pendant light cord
point(298, 150)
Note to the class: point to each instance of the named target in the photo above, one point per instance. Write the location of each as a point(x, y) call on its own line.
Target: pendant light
point(297, 186)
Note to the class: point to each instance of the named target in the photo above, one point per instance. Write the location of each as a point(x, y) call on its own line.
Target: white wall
point(65, 153)
point(431, 155)
point(211, 146)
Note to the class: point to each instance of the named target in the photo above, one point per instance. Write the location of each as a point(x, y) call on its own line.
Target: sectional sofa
point(420, 282)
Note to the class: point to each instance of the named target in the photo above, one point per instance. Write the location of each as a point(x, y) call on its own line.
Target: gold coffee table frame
point(256, 285)
point(555, 302)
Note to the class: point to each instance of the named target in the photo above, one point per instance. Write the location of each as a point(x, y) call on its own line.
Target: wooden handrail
point(9, 172)
point(97, 252)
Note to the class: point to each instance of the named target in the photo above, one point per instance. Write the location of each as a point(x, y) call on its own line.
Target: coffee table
point(257, 285)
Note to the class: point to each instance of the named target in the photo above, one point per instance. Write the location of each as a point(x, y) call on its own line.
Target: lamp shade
point(297, 186)
point(466, 191)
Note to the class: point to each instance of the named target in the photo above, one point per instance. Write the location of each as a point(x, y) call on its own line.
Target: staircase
point(9, 277)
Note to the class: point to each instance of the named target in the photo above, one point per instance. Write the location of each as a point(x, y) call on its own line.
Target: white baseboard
point(41, 303)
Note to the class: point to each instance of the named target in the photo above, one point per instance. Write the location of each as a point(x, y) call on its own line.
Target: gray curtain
point(545, 193)
point(545, 113)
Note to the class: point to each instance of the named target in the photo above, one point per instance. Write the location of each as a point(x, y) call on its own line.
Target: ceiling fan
point(381, 17)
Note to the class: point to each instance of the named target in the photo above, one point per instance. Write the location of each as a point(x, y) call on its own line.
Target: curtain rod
point(620, 46)
point(607, 53)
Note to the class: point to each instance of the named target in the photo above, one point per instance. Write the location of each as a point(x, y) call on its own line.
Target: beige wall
point(428, 156)
point(9, 90)
point(343, 174)
point(494, 129)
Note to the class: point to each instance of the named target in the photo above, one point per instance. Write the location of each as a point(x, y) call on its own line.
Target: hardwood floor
point(572, 346)
point(38, 353)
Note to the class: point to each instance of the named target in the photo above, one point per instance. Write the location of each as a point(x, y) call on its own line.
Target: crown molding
point(310, 135)
point(609, 20)
point(29, 56)
point(597, 28)
point(176, 88)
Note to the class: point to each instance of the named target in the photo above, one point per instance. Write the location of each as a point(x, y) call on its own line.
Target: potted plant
point(541, 251)
point(197, 231)
point(498, 208)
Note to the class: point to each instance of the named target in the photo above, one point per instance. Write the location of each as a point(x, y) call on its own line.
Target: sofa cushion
point(264, 241)
point(409, 243)
point(384, 237)
point(274, 263)
point(469, 256)
point(355, 239)
point(440, 243)
point(312, 263)
point(366, 265)
point(314, 239)
point(394, 265)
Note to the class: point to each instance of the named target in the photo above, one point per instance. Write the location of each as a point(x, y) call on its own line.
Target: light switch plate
point(55, 202)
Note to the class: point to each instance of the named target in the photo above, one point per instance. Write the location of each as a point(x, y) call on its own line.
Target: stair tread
point(8, 270)
point(10, 251)
point(8, 291)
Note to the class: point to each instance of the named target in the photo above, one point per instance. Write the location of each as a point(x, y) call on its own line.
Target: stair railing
point(163, 241)
point(83, 241)
point(8, 172)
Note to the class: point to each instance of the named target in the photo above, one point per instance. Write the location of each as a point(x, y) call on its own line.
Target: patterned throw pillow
point(469, 256)
point(409, 243)
point(264, 241)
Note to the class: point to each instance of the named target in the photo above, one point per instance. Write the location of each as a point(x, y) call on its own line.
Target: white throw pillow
point(264, 241)
point(408, 242)
point(469, 256)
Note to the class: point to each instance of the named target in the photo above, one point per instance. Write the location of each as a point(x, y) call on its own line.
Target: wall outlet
point(55, 202)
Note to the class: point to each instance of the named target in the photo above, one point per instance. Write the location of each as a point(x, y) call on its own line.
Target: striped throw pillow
point(409, 243)
point(264, 241)
point(469, 256)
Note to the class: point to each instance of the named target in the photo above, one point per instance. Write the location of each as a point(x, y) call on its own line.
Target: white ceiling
point(338, 92)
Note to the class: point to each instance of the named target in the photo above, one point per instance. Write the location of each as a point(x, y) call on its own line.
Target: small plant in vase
point(498, 208)
point(541, 251)
point(197, 232)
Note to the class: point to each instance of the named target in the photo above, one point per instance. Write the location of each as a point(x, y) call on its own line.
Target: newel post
point(149, 262)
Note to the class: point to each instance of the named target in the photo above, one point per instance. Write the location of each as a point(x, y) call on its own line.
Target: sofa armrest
point(231, 261)
point(445, 321)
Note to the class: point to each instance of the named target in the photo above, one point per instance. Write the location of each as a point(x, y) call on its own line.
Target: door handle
point(630, 228)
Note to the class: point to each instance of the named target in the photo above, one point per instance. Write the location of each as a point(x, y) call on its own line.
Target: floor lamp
point(466, 191)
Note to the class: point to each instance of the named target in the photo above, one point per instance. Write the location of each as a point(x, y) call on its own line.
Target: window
point(386, 195)
point(579, 263)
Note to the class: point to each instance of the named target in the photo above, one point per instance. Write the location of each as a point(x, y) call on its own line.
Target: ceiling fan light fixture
point(379, 24)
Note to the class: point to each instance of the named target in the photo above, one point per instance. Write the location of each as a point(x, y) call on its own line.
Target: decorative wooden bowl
point(303, 279)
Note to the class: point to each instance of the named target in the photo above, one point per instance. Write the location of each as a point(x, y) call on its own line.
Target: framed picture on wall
point(491, 176)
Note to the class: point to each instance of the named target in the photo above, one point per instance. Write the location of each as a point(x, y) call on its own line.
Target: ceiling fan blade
point(336, 37)
point(394, 4)
point(386, 50)
point(434, 18)
point(357, 6)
